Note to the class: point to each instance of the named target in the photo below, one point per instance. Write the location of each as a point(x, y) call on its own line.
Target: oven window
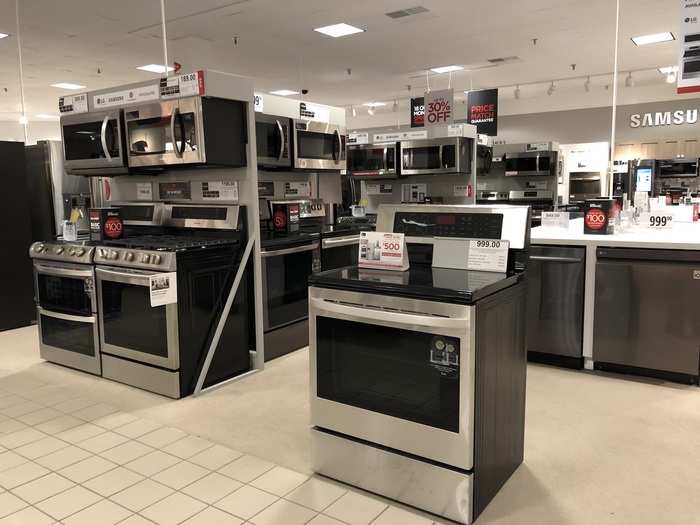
point(64, 294)
point(84, 141)
point(339, 257)
point(422, 158)
point(365, 159)
point(584, 187)
point(287, 287)
point(71, 336)
point(313, 145)
point(129, 320)
point(387, 370)
point(150, 136)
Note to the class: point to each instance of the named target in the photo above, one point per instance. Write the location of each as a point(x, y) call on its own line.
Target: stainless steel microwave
point(93, 143)
point(435, 156)
point(273, 139)
point(531, 163)
point(318, 146)
point(374, 161)
point(187, 131)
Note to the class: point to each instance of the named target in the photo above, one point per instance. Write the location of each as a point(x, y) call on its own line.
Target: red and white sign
point(187, 85)
point(596, 219)
point(381, 250)
point(439, 107)
point(689, 38)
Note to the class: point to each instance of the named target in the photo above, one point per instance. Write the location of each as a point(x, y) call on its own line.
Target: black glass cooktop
point(168, 242)
point(418, 282)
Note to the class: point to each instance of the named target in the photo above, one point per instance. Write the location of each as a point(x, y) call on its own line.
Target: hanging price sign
point(439, 107)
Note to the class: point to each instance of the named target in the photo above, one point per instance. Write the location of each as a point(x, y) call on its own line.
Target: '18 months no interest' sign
point(439, 107)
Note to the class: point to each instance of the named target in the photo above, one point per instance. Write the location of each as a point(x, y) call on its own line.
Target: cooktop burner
point(168, 242)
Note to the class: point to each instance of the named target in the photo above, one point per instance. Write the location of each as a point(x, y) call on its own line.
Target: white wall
point(36, 130)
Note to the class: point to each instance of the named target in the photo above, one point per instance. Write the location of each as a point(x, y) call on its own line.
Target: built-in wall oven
point(374, 161)
point(273, 138)
point(93, 143)
point(677, 168)
point(436, 156)
point(584, 185)
point(691, 57)
point(319, 146)
point(187, 131)
point(66, 305)
point(531, 163)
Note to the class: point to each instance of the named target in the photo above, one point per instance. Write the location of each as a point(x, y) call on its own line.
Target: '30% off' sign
point(439, 107)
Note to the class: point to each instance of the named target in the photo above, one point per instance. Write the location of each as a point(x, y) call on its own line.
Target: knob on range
point(59, 250)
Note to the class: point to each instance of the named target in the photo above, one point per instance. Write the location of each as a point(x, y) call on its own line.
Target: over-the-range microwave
point(93, 143)
point(318, 146)
point(374, 161)
point(531, 163)
point(197, 130)
point(436, 156)
point(273, 139)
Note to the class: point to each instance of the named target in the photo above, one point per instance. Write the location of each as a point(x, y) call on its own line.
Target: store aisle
point(73, 447)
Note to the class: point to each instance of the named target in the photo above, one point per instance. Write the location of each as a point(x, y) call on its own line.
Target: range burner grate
point(168, 242)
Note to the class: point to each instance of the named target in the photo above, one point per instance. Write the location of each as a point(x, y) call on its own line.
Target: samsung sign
point(664, 118)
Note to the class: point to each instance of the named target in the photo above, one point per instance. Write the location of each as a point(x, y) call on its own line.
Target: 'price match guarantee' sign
point(439, 107)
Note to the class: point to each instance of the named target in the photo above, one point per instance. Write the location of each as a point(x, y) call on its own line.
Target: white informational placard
point(258, 103)
point(555, 219)
point(413, 192)
point(439, 107)
point(144, 191)
point(163, 288)
point(308, 111)
point(225, 190)
point(488, 255)
point(378, 189)
point(186, 85)
point(383, 251)
point(73, 104)
point(660, 219)
point(126, 96)
point(380, 138)
point(462, 190)
point(356, 137)
point(297, 189)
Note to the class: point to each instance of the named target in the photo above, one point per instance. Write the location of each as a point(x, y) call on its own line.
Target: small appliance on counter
point(417, 378)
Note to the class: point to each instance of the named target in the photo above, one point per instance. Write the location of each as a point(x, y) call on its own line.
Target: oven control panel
point(152, 260)
point(449, 224)
point(62, 251)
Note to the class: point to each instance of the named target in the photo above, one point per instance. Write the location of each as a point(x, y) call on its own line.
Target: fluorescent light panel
point(67, 85)
point(374, 104)
point(155, 68)
point(284, 92)
point(3, 35)
point(338, 30)
point(46, 116)
point(656, 38)
point(446, 69)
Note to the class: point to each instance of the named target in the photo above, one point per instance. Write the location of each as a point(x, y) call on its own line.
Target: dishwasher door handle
point(565, 260)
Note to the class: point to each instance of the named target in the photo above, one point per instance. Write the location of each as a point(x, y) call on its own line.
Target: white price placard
point(488, 255)
point(144, 191)
point(163, 288)
point(73, 104)
point(378, 189)
point(381, 250)
point(658, 219)
point(555, 219)
point(258, 103)
point(297, 189)
point(226, 190)
point(356, 137)
point(186, 85)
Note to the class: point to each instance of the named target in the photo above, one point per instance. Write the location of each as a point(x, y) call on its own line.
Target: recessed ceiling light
point(446, 69)
point(155, 68)
point(668, 69)
point(284, 92)
point(337, 30)
point(656, 38)
point(47, 116)
point(374, 104)
point(3, 35)
point(67, 85)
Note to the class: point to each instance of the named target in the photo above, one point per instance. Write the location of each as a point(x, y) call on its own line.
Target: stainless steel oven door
point(395, 372)
point(129, 326)
point(69, 340)
point(319, 146)
point(64, 287)
point(93, 140)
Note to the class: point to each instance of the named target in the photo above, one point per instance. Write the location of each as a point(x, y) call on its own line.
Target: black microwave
point(374, 161)
point(531, 163)
point(677, 168)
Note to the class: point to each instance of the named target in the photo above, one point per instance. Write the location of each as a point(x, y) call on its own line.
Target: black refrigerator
point(17, 305)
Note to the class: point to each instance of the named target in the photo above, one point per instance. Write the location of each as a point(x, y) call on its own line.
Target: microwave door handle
point(336, 156)
point(181, 122)
point(340, 146)
point(281, 132)
point(173, 117)
point(103, 138)
point(440, 156)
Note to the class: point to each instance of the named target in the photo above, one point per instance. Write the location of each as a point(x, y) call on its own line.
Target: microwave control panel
point(454, 225)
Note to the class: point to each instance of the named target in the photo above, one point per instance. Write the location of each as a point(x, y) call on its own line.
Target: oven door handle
point(68, 317)
point(139, 279)
point(287, 251)
point(372, 315)
point(62, 272)
point(103, 138)
point(342, 241)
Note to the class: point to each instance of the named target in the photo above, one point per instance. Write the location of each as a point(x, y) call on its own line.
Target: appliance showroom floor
point(76, 449)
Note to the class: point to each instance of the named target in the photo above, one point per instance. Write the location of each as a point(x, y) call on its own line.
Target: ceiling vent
point(403, 13)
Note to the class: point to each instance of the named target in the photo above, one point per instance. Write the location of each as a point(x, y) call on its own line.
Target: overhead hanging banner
point(417, 112)
point(689, 62)
point(439, 108)
point(482, 111)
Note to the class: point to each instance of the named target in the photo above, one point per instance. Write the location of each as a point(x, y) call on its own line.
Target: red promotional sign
point(596, 219)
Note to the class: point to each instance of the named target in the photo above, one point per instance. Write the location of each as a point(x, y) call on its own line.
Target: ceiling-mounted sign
point(258, 103)
point(482, 111)
point(417, 112)
point(380, 138)
point(125, 96)
point(665, 118)
point(689, 62)
point(187, 85)
point(439, 107)
point(314, 112)
point(73, 104)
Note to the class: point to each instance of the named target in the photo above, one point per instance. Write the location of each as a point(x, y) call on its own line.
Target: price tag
point(356, 137)
point(488, 255)
point(382, 250)
point(555, 219)
point(258, 103)
point(163, 287)
point(73, 104)
point(658, 220)
point(144, 191)
point(182, 86)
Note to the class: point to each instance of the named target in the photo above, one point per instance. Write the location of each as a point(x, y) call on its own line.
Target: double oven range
point(101, 317)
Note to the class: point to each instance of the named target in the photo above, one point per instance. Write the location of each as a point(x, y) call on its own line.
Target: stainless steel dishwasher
point(647, 319)
point(556, 276)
